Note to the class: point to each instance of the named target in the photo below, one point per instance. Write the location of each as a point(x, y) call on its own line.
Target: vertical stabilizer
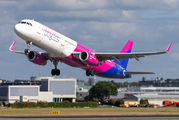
point(126, 49)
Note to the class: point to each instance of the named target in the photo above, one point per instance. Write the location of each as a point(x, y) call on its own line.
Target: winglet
point(12, 46)
point(169, 47)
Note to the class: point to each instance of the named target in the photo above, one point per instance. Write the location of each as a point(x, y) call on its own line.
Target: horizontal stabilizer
point(131, 72)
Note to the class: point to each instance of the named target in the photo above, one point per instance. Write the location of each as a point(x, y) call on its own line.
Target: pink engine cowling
point(88, 58)
point(36, 58)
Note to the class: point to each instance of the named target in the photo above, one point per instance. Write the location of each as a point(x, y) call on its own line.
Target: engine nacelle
point(88, 58)
point(36, 58)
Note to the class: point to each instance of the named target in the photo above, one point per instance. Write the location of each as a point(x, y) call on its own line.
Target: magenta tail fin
point(126, 49)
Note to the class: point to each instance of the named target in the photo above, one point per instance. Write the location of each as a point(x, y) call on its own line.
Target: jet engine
point(88, 58)
point(36, 58)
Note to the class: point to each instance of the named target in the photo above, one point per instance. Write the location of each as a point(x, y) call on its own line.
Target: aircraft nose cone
point(19, 30)
point(16, 29)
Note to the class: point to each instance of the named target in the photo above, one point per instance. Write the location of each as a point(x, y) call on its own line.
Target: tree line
point(103, 89)
point(125, 84)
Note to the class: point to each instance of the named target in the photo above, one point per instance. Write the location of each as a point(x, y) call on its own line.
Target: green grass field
point(90, 111)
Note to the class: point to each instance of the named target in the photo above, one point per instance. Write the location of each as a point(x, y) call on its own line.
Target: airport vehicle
point(5, 103)
point(63, 49)
point(171, 103)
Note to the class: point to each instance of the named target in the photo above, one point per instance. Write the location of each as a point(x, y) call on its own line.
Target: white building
point(50, 90)
point(155, 95)
point(157, 99)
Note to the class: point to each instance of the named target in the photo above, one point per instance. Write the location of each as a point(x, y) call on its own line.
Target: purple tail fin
point(126, 49)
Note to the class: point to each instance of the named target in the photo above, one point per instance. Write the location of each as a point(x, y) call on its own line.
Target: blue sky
point(102, 25)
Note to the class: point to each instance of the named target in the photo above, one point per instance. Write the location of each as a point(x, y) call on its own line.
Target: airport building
point(156, 91)
point(46, 89)
point(84, 87)
point(155, 95)
point(159, 83)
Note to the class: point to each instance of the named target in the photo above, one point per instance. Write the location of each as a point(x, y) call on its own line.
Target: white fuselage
point(45, 38)
point(63, 49)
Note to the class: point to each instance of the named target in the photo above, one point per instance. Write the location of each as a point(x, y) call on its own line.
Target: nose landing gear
point(26, 51)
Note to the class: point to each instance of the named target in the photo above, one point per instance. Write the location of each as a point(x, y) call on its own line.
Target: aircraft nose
point(19, 30)
point(16, 29)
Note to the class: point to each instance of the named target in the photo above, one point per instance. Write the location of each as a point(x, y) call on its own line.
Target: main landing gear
point(90, 72)
point(55, 71)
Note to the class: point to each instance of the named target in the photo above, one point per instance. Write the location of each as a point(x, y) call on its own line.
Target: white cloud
point(108, 23)
point(80, 4)
point(175, 56)
point(4, 3)
point(146, 4)
point(7, 20)
point(99, 15)
point(6, 30)
point(85, 36)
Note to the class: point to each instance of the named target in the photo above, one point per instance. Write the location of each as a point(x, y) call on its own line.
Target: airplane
point(60, 48)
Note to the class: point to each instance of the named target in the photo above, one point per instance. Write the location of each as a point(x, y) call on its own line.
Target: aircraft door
point(39, 30)
point(62, 46)
point(39, 33)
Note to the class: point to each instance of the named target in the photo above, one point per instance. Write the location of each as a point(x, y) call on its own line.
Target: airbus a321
point(60, 48)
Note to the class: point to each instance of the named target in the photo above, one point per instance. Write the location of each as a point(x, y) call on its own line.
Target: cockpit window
point(25, 23)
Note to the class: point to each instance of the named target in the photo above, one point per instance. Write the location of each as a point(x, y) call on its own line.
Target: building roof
point(85, 87)
point(156, 96)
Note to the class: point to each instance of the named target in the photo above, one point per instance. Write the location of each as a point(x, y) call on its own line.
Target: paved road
point(101, 117)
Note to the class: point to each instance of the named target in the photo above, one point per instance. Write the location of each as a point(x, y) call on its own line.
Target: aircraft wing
point(45, 54)
point(117, 56)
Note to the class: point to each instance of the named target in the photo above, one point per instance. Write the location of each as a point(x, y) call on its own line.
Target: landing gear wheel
point(88, 72)
point(92, 72)
point(53, 72)
point(57, 72)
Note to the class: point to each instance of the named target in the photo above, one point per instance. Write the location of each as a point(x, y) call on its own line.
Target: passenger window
point(27, 23)
point(30, 24)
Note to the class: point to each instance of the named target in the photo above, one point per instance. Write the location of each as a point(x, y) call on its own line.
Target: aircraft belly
point(72, 61)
